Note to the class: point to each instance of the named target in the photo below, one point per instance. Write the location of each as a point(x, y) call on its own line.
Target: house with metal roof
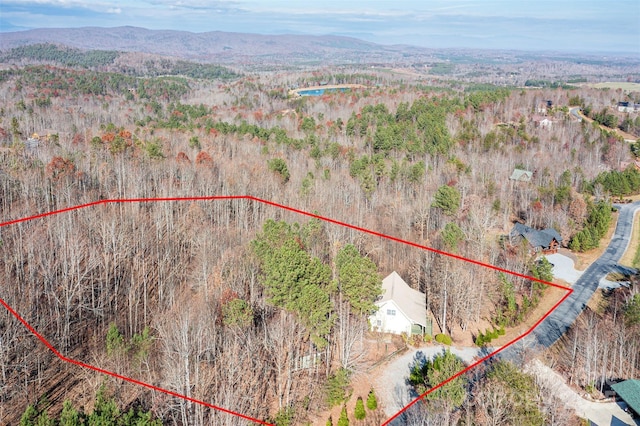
point(401, 309)
point(629, 392)
point(520, 175)
point(545, 240)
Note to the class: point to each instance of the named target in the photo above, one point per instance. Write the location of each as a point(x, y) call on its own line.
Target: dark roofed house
point(629, 392)
point(628, 107)
point(546, 241)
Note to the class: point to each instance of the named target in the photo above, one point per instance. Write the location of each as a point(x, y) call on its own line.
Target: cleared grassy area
point(631, 257)
point(616, 85)
point(636, 257)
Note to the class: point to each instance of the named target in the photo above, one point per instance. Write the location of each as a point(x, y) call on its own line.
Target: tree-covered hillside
point(237, 301)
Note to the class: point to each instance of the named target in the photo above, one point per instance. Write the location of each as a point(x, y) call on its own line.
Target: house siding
point(383, 322)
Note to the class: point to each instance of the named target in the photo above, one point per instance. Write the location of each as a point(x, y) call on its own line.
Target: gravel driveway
point(391, 384)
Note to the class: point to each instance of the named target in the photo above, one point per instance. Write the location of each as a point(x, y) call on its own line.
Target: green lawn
point(617, 85)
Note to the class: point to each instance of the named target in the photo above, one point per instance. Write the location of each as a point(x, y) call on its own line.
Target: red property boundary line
point(294, 210)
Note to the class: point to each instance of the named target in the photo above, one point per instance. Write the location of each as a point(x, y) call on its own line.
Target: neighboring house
point(520, 175)
point(542, 122)
point(45, 137)
point(546, 241)
point(32, 143)
point(629, 392)
point(544, 106)
point(401, 309)
point(628, 107)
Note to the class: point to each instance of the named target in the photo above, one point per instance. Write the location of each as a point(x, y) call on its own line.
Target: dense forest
point(261, 310)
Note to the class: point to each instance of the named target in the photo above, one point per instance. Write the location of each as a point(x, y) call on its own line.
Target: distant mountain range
point(215, 45)
point(260, 49)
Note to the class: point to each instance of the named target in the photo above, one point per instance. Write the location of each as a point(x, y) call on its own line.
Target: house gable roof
point(629, 391)
point(537, 238)
point(521, 175)
point(411, 302)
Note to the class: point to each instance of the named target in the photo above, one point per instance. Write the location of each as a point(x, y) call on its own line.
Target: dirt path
point(600, 413)
point(626, 136)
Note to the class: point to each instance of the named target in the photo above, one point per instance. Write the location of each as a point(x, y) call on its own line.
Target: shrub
point(443, 338)
point(372, 401)
point(488, 336)
point(344, 419)
point(359, 412)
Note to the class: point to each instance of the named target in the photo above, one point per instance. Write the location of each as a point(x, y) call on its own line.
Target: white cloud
point(96, 6)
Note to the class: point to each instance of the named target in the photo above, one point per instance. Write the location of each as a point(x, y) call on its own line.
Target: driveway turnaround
point(563, 268)
point(392, 387)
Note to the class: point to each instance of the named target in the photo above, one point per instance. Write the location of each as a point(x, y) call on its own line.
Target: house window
point(391, 312)
point(379, 323)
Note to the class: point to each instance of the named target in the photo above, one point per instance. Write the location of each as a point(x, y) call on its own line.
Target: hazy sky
point(565, 25)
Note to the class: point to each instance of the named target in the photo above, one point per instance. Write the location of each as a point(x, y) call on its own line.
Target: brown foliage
point(60, 167)
point(78, 139)
point(108, 137)
point(577, 208)
point(204, 159)
point(182, 158)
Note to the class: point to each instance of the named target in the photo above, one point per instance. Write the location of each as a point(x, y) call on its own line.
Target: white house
point(401, 309)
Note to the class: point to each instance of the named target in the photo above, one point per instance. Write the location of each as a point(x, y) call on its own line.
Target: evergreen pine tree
point(344, 419)
point(359, 412)
point(372, 401)
point(29, 416)
point(69, 415)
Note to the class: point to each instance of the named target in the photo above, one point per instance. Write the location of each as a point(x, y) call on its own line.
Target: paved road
point(575, 112)
point(556, 324)
point(599, 413)
point(393, 389)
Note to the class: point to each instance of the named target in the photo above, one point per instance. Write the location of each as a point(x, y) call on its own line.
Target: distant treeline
point(62, 55)
point(55, 82)
point(92, 59)
point(548, 84)
point(189, 69)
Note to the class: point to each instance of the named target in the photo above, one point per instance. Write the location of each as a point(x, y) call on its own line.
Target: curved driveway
point(575, 111)
point(556, 324)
